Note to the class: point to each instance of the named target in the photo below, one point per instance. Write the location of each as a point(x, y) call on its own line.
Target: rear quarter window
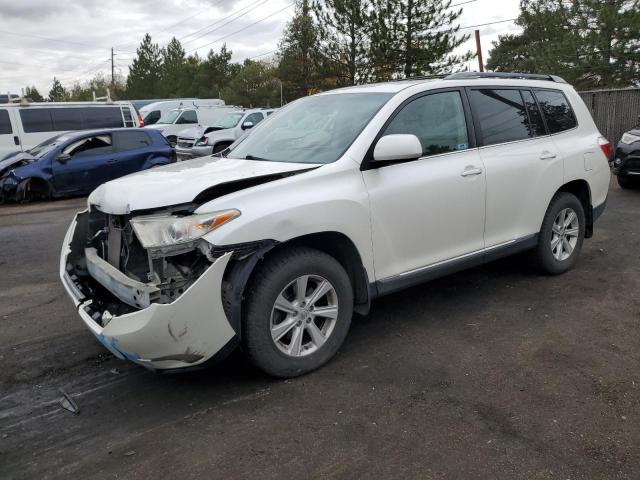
point(5, 123)
point(131, 140)
point(556, 110)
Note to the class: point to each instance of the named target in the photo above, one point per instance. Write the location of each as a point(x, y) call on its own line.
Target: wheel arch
point(580, 188)
point(30, 186)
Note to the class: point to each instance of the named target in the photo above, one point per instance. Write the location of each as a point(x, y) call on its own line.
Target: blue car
point(75, 163)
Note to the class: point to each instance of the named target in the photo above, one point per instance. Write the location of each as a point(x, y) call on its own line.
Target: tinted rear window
point(501, 114)
point(73, 118)
point(132, 140)
point(556, 110)
point(536, 125)
point(5, 123)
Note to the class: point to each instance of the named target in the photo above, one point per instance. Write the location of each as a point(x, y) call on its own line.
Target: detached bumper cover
point(193, 152)
point(181, 334)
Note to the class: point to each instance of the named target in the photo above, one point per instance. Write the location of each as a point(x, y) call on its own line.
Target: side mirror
point(247, 125)
point(63, 158)
point(398, 147)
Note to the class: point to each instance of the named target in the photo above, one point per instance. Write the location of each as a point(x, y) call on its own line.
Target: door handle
point(547, 156)
point(471, 172)
point(16, 140)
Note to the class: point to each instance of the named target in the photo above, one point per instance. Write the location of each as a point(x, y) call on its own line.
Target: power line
point(51, 39)
point(242, 29)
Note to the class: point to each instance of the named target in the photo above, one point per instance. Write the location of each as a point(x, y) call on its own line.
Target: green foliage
point(83, 92)
point(255, 85)
point(415, 37)
point(57, 92)
point(591, 43)
point(33, 94)
point(174, 71)
point(145, 73)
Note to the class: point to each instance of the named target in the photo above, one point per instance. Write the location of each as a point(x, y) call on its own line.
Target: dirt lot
point(497, 372)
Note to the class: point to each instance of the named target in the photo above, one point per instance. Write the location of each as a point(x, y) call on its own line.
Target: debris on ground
point(115, 371)
point(129, 453)
point(68, 403)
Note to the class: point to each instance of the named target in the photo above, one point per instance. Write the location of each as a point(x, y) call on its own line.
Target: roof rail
point(505, 75)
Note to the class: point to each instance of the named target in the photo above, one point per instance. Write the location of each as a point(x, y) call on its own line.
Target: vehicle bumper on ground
point(192, 152)
point(182, 334)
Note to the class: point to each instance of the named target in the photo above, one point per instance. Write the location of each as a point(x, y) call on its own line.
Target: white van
point(175, 121)
point(152, 112)
point(23, 126)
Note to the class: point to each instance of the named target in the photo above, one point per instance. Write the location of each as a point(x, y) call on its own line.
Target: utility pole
point(113, 79)
point(479, 50)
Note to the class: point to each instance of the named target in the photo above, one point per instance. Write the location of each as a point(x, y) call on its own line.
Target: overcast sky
point(71, 39)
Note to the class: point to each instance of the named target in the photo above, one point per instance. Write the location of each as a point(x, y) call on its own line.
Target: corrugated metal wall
point(614, 111)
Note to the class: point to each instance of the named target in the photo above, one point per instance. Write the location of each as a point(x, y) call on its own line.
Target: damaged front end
point(158, 304)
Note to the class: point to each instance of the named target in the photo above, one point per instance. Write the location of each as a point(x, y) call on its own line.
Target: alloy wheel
point(564, 234)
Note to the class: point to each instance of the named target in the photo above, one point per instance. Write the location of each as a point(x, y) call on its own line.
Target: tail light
point(140, 121)
point(605, 145)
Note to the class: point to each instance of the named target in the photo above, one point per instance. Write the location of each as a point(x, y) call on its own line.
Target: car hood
point(182, 183)
point(191, 132)
point(15, 160)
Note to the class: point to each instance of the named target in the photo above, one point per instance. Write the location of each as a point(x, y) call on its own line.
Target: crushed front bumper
point(192, 152)
point(182, 334)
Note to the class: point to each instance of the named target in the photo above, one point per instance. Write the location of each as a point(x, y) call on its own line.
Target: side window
point(254, 118)
point(5, 123)
point(151, 117)
point(36, 120)
point(102, 117)
point(131, 140)
point(86, 147)
point(501, 114)
point(437, 120)
point(556, 110)
point(536, 125)
point(188, 116)
point(66, 119)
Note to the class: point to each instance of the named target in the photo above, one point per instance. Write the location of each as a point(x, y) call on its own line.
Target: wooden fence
point(614, 111)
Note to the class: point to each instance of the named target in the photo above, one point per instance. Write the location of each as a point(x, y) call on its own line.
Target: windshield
point(314, 129)
point(170, 117)
point(45, 147)
point(229, 121)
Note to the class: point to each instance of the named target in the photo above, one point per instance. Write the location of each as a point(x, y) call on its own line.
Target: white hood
point(179, 182)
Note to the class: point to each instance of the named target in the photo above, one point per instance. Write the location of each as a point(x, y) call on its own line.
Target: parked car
point(200, 141)
point(152, 112)
point(140, 104)
point(77, 162)
point(337, 199)
point(626, 165)
point(24, 126)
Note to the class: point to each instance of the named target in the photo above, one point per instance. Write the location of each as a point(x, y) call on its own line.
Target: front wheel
point(561, 235)
point(297, 312)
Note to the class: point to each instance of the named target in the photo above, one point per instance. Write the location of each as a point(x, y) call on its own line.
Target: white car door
point(9, 136)
point(427, 211)
point(523, 166)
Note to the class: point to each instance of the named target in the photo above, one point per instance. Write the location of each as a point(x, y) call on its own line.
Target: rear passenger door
point(523, 165)
point(9, 139)
point(133, 148)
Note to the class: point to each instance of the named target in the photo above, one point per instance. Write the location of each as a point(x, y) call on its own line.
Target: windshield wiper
point(253, 157)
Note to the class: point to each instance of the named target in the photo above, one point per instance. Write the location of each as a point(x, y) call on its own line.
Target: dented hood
point(14, 160)
point(180, 183)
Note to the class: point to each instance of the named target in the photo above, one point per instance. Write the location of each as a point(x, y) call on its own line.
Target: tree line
point(335, 43)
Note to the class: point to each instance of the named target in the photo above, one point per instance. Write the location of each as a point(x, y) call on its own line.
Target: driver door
point(429, 211)
point(87, 166)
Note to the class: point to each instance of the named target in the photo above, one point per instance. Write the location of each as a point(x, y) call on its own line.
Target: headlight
point(202, 142)
point(160, 231)
point(629, 138)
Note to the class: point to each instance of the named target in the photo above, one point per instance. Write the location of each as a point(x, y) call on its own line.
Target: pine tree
point(590, 43)
point(57, 92)
point(173, 69)
point(343, 27)
point(33, 94)
point(299, 56)
point(145, 72)
point(415, 37)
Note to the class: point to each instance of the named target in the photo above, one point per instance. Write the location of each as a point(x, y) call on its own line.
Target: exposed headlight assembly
point(201, 142)
point(629, 138)
point(161, 231)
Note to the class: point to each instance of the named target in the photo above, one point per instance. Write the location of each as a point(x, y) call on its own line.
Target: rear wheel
point(561, 235)
point(298, 311)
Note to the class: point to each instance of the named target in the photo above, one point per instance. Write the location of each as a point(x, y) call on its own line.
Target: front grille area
point(185, 142)
point(632, 164)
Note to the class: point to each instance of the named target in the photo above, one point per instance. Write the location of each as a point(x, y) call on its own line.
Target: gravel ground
point(497, 372)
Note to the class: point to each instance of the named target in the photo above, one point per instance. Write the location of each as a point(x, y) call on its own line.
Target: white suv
point(339, 198)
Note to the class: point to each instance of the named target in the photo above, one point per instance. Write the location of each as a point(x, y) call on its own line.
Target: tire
point(220, 147)
point(626, 182)
point(560, 259)
point(277, 278)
